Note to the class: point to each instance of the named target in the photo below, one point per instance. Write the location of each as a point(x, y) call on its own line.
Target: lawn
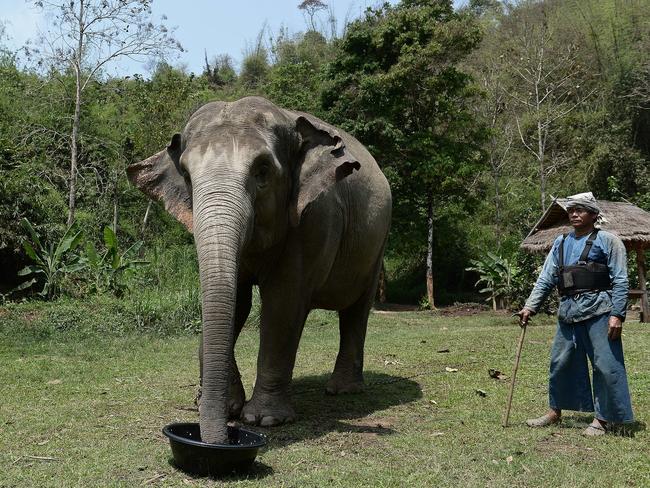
point(87, 409)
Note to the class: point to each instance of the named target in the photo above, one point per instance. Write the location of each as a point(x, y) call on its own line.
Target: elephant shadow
point(319, 414)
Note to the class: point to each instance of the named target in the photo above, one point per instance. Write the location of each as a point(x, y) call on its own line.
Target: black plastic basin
point(196, 457)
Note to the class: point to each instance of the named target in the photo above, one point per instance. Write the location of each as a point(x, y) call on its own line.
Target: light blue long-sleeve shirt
point(607, 249)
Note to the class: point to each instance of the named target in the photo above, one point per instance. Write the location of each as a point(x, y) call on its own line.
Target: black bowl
point(196, 457)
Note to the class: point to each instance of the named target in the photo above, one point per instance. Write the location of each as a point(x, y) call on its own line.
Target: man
point(589, 267)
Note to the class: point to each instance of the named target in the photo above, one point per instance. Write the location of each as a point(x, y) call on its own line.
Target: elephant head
point(239, 177)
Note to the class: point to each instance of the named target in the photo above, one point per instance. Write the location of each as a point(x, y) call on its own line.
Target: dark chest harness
point(583, 276)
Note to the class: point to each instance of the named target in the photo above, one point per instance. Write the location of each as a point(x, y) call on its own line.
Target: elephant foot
point(268, 410)
point(337, 385)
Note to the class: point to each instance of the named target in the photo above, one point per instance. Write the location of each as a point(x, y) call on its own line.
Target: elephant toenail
point(269, 421)
point(249, 418)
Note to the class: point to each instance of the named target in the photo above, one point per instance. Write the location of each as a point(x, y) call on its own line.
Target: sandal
point(594, 430)
point(543, 421)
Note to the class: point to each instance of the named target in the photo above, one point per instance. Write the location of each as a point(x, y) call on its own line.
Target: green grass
point(87, 409)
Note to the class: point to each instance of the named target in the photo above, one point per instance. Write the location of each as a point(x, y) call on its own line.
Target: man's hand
point(615, 328)
point(524, 315)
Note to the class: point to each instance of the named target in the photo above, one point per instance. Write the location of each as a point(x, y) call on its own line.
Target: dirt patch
point(373, 423)
point(366, 431)
point(31, 316)
point(455, 310)
point(558, 444)
point(394, 307)
point(462, 309)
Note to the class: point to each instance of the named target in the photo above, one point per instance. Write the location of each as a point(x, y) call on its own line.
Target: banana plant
point(51, 262)
point(111, 266)
point(495, 275)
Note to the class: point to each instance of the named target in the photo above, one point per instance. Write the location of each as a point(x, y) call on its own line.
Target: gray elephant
point(285, 201)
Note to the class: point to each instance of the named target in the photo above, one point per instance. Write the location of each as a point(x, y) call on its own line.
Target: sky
point(218, 26)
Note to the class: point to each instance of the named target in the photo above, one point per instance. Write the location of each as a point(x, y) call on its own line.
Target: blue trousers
point(569, 385)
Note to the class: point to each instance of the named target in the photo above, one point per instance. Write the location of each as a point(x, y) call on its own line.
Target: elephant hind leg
point(347, 376)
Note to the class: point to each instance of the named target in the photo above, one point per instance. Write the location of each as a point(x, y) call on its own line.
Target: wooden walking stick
point(514, 374)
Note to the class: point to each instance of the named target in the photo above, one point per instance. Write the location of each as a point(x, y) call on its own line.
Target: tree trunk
point(497, 208)
point(542, 169)
point(381, 288)
point(430, 254)
point(146, 217)
point(72, 184)
point(645, 305)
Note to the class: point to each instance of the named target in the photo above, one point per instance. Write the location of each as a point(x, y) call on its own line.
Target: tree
point(311, 8)
point(395, 85)
point(85, 37)
point(255, 65)
point(220, 72)
point(490, 73)
point(548, 86)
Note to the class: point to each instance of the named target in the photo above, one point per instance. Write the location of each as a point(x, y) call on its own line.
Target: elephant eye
point(262, 172)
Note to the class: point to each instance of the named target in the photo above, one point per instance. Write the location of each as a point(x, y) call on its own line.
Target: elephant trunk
point(222, 219)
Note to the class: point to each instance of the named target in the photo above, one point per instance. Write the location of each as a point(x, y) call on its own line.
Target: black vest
point(583, 276)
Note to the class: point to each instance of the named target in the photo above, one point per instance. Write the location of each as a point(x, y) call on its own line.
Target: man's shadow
point(318, 413)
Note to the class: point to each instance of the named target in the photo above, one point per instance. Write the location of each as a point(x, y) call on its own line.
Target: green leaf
point(32, 253)
point(134, 249)
point(110, 239)
point(75, 267)
point(25, 285)
point(68, 242)
point(32, 233)
point(27, 270)
point(91, 254)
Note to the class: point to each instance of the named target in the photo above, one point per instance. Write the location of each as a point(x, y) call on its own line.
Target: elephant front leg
point(280, 332)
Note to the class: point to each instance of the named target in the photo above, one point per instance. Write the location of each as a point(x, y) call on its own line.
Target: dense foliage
point(478, 116)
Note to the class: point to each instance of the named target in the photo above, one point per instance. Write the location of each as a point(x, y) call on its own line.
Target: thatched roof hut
point(626, 220)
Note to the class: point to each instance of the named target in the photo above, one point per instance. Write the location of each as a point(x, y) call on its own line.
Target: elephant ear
point(323, 161)
point(159, 178)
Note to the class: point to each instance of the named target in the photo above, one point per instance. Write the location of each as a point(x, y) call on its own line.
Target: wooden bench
point(643, 295)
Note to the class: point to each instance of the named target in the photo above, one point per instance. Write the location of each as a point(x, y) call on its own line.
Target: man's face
point(581, 218)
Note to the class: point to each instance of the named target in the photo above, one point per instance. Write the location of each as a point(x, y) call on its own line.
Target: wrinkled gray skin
point(285, 201)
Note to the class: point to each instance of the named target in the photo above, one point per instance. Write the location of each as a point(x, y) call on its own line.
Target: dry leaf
point(42, 443)
point(437, 434)
point(496, 374)
point(54, 382)
point(155, 478)
point(481, 393)
point(451, 370)
point(509, 459)
point(433, 401)
point(442, 350)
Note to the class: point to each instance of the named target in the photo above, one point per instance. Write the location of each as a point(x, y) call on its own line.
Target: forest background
point(478, 116)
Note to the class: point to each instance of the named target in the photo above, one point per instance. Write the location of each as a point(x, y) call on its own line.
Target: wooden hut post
point(640, 264)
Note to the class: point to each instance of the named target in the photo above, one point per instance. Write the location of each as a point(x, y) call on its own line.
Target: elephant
point(281, 200)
